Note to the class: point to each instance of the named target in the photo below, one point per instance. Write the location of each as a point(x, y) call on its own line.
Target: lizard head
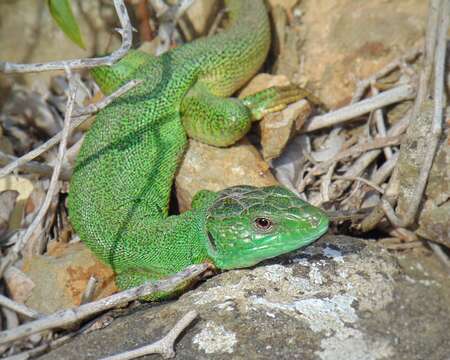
point(246, 225)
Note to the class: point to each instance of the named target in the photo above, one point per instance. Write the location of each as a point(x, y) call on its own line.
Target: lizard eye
point(262, 223)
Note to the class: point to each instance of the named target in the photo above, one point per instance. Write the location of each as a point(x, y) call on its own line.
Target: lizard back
point(120, 189)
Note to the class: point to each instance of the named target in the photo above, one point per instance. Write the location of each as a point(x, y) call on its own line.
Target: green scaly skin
point(120, 189)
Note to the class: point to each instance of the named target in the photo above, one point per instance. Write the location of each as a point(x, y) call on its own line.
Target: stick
point(19, 308)
point(367, 158)
point(361, 148)
point(67, 317)
point(126, 32)
point(397, 94)
point(434, 9)
point(380, 124)
point(89, 291)
point(32, 167)
point(164, 347)
point(385, 170)
point(360, 179)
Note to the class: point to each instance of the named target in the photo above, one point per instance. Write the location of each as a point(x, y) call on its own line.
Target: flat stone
point(335, 43)
point(340, 298)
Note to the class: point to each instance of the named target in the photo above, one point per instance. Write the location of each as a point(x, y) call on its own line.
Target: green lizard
point(120, 189)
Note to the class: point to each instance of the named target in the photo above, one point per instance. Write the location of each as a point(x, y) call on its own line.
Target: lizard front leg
point(221, 121)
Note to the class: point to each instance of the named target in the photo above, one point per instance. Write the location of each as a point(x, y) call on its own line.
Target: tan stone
point(278, 128)
point(342, 41)
point(61, 277)
point(206, 167)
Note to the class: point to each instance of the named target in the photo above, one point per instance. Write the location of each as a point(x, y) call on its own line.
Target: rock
point(61, 277)
point(263, 81)
point(19, 285)
point(434, 223)
point(341, 298)
point(279, 127)
point(206, 167)
point(337, 42)
point(286, 4)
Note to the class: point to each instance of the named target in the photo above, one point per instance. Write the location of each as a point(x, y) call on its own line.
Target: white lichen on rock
point(334, 254)
point(215, 339)
point(328, 314)
point(351, 344)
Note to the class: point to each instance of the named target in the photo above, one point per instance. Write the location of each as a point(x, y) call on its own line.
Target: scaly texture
point(120, 188)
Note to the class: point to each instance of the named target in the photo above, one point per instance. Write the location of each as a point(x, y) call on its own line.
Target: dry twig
point(89, 291)
point(362, 85)
point(350, 112)
point(380, 124)
point(164, 347)
point(360, 179)
point(19, 308)
point(32, 167)
point(442, 256)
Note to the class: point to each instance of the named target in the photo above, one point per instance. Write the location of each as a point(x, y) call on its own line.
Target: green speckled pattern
point(120, 189)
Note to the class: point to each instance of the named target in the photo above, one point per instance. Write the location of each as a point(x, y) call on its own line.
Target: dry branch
point(164, 347)
point(19, 308)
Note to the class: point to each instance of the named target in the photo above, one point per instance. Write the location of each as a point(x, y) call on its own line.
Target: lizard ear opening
point(212, 243)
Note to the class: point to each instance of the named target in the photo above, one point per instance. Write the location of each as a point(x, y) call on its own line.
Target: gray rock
point(341, 298)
